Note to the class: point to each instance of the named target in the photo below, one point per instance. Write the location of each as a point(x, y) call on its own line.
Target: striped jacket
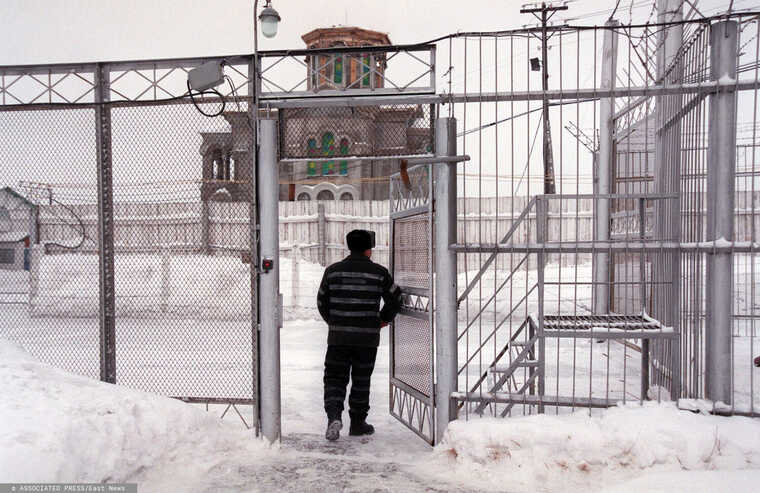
point(349, 301)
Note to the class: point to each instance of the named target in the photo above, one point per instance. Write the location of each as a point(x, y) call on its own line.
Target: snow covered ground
point(62, 427)
point(79, 429)
point(57, 426)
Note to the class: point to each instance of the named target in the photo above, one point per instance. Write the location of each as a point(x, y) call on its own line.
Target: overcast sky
point(49, 31)
point(55, 31)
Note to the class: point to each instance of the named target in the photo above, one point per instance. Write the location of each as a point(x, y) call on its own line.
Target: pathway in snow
point(388, 461)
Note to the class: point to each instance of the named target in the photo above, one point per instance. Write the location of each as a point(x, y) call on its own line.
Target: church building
point(325, 133)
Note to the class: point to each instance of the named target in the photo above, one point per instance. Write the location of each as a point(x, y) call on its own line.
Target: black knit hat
point(360, 240)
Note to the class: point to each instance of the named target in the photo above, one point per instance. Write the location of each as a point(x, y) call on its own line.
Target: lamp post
point(265, 177)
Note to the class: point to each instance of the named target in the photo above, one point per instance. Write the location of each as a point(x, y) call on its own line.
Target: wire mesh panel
point(48, 230)
point(411, 252)
point(411, 353)
point(412, 375)
point(148, 198)
point(183, 288)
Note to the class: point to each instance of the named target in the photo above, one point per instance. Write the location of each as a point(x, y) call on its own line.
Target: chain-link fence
point(135, 275)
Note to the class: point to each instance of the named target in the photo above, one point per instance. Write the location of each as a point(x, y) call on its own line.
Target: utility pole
point(543, 12)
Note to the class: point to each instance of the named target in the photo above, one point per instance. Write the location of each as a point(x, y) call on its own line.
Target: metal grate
point(411, 252)
point(412, 344)
point(589, 322)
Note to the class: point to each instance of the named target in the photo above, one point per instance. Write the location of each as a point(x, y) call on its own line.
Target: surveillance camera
point(208, 75)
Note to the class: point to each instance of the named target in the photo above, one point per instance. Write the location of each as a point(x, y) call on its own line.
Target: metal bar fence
point(657, 244)
point(529, 339)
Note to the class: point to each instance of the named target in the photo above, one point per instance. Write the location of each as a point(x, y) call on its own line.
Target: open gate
point(412, 394)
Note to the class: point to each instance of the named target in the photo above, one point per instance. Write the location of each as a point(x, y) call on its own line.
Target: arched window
point(220, 167)
point(346, 196)
point(303, 196)
point(365, 70)
point(328, 150)
point(325, 195)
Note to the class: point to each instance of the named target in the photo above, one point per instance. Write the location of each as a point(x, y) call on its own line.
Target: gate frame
point(401, 394)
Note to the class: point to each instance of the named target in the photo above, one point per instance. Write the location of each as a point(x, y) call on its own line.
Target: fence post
point(295, 275)
point(269, 284)
point(605, 162)
point(34, 275)
point(666, 269)
point(721, 164)
point(542, 220)
point(165, 279)
point(445, 302)
point(205, 228)
point(253, 241)
point(322, 233)
point(105, 226)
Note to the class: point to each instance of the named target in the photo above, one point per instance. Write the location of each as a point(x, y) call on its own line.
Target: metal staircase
point(517, 374)
point(521, 354)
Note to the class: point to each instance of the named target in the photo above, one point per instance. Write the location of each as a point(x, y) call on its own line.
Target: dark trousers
point(340, 362)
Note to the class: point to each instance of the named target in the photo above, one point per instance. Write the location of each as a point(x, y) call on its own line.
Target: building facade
point(325, 138)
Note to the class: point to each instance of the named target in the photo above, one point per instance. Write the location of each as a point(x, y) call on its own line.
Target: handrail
point(512, 367)
point(492, 257)
point(525, 297)
point(497, 359)
point(498, 290)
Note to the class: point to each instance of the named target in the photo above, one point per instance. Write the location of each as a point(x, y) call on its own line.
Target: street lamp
point(269, 20)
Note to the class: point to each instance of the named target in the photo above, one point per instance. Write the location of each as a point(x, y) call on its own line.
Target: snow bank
point(691, 482)
point(576, 451)
point(57, 426)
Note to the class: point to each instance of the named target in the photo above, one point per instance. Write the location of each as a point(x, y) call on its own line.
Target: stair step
point(547, 400)
point(519, 343)
point(528, 363)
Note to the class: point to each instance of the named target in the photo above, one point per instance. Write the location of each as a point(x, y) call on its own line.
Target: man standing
point(349, 301)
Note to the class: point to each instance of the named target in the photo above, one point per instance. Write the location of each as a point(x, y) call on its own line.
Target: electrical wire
point(81, 228)
point(207, 91)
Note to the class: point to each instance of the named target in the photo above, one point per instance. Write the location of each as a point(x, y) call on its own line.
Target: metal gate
point(412, 385)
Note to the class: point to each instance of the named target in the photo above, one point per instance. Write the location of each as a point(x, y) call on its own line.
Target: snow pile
point(692, 482)
point(57, 426)
point(576, 450)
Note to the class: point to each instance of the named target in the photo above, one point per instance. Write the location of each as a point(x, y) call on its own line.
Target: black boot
point(333, 429)
point(359, 428)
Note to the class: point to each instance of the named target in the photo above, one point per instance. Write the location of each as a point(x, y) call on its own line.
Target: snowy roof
point(16, 195)
point(13, 236)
